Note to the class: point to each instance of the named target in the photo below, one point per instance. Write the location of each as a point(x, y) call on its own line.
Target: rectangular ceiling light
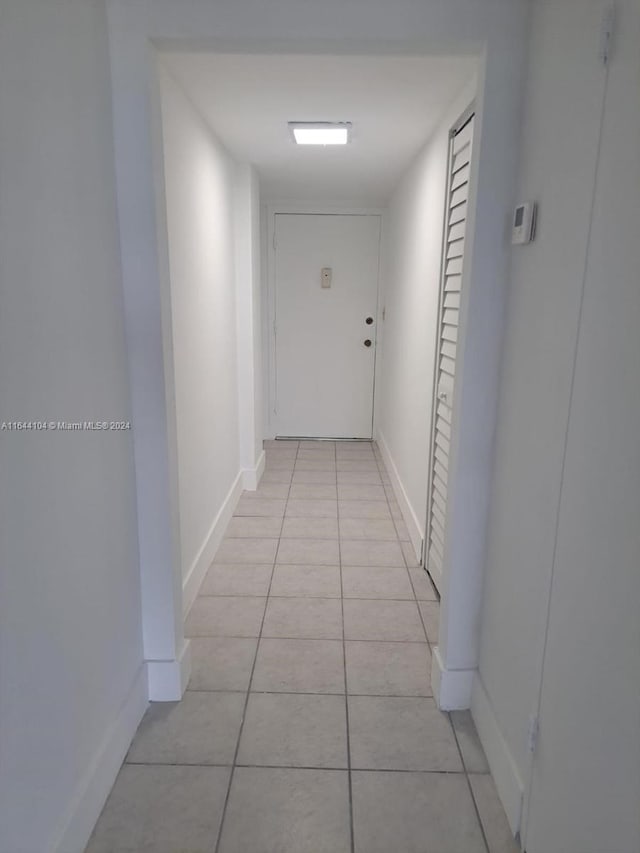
point(320, 132)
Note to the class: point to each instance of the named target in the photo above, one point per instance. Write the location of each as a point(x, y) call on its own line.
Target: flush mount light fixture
point(320, 132)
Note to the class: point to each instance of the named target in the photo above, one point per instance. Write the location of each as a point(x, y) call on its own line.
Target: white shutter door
point(453, 255)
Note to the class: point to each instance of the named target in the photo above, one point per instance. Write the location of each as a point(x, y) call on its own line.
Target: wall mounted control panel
point(524, 223)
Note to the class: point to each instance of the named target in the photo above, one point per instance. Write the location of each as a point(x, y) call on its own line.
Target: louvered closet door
point(456, 217)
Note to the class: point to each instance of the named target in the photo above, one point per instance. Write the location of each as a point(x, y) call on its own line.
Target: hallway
point(309, 724)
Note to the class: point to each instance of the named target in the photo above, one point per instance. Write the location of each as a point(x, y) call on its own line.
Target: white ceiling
point(394, 103)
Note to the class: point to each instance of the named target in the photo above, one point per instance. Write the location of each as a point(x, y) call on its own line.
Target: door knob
point(367, 343)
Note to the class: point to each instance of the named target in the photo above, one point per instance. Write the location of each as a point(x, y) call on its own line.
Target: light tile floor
point(309, 724)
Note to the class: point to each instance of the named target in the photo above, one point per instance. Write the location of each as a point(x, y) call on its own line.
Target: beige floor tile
point(279, 444)
point(318, 446)
point(357, 464)
point(494, 820)
point(201, 729)
point(388, 669)
point(292, 811)
point(324, 463)
point(252, 527)
point(472, 752)
point(269, 490)
point(319, 452)
point(363, 509)
point(397, 621)
point(362, 454)
point(403, 531)
point(316, 618)
point(313, 476)
point(431, 616)
point(312, 552)
point(162, 809)
point(359, 477)
point(237, 579)
point(370, 553)
point(225, 617)
point(281, 448)
point(394, 508)
point(414, 813)
point(294, 730)
point(345, 444)
point(409, 554)
point(311, 508)
point(408, 733)
point(273, 507)
point(422, 586)
point(279, 462)
point(277, 476)
point(376, 582)
point(368, 528)
point(314, 491)
point(361, 492)
point(310, 528)
point(252, 551)
point(299, 666)
point(293, 581)
point(221, 663)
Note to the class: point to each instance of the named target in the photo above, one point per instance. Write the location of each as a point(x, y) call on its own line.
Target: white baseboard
point(415, 527)
point(195, 576)
point(451, 687)
point(251, 476)
point(98, 780)
point(503, 767)
point(168, 679)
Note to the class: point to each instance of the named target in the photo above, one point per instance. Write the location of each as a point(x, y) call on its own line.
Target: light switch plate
point(326, 276)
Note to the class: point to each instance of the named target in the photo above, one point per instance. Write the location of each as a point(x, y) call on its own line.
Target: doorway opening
point(341, 299)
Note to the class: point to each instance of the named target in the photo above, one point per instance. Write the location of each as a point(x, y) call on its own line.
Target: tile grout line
point(322, 768)
point(316, 692)
point(248, 692)
point(329, 639)
point(346, 692)
point(329, 597)
point(466, 775)
point(329, 767)
point(415, 597)
point(417, 601)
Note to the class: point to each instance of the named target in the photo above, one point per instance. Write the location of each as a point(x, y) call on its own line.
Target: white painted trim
point(193, 579)
point(251, 476)
point(269, 343)
point(416, 533)
point(451, 687)
point(168, 678)
point(97, 781)
point(503, 767)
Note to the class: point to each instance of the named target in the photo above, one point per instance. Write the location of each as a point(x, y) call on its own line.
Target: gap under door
point(325, 319)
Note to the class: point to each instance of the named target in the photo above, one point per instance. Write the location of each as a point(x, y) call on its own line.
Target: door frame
point(269, 292)
point(466, 115)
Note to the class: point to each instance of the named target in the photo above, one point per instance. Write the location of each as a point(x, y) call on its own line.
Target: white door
point(326, 294)
point(447, 343)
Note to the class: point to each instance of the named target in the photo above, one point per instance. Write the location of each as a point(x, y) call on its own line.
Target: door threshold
point(318, 438)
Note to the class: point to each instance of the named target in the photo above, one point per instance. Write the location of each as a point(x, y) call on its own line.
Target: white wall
point(248, 295)
point(199, 187)
point(565, 498)
point(413, 249)
point(72, 688)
